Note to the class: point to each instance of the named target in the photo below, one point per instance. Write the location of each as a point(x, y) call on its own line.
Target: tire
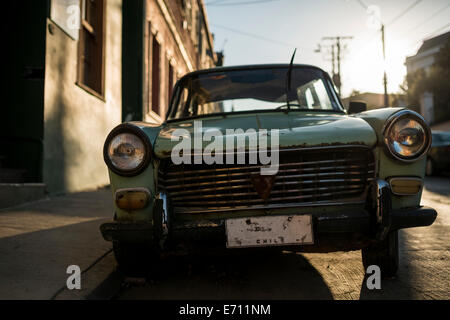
point(384, 255)
point(134, 260)
point(431, 168)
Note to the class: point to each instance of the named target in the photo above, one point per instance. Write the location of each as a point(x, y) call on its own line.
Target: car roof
point(248, 67)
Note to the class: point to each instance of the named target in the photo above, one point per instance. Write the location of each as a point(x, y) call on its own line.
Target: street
point(235, 145)
point(65, 232)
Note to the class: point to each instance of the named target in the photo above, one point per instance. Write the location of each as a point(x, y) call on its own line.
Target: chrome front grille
point(315, 176)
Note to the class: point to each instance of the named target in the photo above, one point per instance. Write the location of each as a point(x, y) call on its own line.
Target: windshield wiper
point(300, 107)
point(303, 108)
point(288, 80)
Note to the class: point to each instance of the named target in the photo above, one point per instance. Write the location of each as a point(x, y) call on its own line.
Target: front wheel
point(134, 259)
point(384, 255)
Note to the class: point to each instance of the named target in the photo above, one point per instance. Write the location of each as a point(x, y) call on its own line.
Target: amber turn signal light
point(404, 186)
point(132, 199)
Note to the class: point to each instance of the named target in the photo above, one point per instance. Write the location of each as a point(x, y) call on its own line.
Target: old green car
point(266, 156)
point(438, 159)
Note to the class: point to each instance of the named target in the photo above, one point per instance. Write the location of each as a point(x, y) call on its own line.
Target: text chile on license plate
point(269, 231)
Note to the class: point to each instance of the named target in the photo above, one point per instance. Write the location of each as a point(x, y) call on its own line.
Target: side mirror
point(357, 107)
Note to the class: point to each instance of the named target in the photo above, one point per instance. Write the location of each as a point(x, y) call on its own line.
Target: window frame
point(170, 81)
point(81, 45)
point(153, 73)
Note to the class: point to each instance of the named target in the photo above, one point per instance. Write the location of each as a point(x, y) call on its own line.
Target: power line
point(363, 5)
point(430, 35)
point(366, 7)
point(436, 31)
point(417, 26)
point(404, 12)
point(398, 17)
point(336, 55)
point(385, 80)
point(428, 19)
point(256, 36)
point(376, 35)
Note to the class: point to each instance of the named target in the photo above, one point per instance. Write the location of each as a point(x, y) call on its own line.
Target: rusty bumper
point(332, 232)
point(129, 232)
point(412, 218)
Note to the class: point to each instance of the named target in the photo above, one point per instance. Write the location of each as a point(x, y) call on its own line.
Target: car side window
point(182, 100)
point(322, 95)
point(309, 98)
point(314, 95)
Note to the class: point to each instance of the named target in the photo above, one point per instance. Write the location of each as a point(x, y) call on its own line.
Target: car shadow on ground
point(240, 275)
point(398, 287)
point(276, 275)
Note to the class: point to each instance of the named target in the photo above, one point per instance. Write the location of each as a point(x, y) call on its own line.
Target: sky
point(267, 31)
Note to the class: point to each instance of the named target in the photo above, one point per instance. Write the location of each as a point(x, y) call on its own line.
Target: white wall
point(76, 123)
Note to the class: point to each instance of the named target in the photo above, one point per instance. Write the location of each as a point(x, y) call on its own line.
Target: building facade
point(79, 68)
point(177, 41)
point(82, 94)
point(172, 38)
point(424, 60)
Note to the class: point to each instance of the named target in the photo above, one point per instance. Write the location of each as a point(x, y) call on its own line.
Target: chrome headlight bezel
point(395, 118)
point(127, 128)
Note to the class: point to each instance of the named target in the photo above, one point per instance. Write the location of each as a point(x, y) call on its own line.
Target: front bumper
point(128, 232)
point(346, 231)
point(412, 218)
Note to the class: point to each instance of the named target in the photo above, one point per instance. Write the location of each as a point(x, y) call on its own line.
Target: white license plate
point(269, 231)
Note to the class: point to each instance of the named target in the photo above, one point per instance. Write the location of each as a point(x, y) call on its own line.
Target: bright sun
point(366, 67)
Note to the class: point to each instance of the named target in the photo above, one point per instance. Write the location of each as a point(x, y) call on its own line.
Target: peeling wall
point(76, 122)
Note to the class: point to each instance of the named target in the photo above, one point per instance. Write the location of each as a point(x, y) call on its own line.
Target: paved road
point(424, 271)
point(39, 240)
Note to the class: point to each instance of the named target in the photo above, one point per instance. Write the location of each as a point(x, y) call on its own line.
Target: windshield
point(252, 89)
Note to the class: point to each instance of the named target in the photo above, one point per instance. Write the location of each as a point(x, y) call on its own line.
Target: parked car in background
point(438, 158)
point(345, 181)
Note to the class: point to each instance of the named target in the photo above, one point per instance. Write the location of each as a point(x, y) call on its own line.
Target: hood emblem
point(263, 185)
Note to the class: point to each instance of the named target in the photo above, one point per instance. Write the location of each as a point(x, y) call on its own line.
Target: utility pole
point(338, 57)
point(386, 96)
point(338, 45)
point(333, 57)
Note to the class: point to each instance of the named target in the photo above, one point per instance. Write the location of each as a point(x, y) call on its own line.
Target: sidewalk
point(39, 240)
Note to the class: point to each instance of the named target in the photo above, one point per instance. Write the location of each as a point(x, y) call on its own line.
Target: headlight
point(407, 136)
point(127, 150)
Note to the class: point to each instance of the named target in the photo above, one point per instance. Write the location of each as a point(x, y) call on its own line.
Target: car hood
point(296, 129)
